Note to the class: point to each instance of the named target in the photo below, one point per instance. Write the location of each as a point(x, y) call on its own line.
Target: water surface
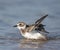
point(13, 11)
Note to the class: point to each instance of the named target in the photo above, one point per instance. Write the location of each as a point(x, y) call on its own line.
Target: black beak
point(15, 26)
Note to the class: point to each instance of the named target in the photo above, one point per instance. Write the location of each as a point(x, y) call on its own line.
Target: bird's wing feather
point(38, 22)
point(29, 28)
point(39, 26)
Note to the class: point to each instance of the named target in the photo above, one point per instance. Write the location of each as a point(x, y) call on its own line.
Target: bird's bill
point(15, 26)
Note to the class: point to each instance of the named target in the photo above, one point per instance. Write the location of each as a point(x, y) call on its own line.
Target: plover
point(32, 31)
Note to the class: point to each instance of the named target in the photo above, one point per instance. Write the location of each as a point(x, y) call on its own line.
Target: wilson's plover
point(32, 31)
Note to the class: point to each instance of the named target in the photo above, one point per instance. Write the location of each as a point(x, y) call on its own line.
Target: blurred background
point(13, 11)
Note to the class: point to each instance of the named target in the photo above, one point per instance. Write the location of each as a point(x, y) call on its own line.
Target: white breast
point(33, 35)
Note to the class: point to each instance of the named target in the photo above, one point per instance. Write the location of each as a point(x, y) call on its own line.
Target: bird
point(33, 31)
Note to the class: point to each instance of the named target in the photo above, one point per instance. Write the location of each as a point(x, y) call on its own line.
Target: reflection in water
point(13, 11)
point(25, 43)
point(22, 43)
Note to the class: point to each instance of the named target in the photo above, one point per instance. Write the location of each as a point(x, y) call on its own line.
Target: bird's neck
point(23, 31)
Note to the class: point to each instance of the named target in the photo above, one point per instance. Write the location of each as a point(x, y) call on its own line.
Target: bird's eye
point(20, 24)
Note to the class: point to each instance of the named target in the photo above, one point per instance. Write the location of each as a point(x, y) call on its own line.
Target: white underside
point(33, 35)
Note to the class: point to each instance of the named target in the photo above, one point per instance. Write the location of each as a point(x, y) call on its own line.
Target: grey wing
point(40, 20)
point(39, 26)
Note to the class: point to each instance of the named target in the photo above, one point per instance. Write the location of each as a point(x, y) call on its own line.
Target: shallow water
point(13, 11)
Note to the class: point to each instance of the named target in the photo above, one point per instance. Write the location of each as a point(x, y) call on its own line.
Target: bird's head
point(20, 25)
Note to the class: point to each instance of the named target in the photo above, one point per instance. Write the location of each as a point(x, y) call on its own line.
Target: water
point(13, 11)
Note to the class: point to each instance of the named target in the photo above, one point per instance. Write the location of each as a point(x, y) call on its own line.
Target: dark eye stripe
point(21, 24)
